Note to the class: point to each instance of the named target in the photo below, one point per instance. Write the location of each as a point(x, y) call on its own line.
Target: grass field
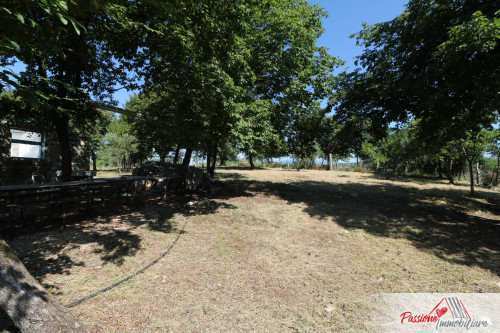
point(272, 251)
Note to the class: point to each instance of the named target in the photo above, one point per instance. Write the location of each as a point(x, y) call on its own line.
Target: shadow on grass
point(46, 251)
point(448, 223)
point(230, 175)
point(113, 238)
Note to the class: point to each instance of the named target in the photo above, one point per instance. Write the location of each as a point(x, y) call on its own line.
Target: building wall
point(19, 170)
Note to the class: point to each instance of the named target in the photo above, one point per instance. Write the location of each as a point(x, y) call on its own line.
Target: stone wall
point(19, 170)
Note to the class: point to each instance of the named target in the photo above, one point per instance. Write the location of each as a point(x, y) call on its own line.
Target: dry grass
point(272, 251)
point(112, 174)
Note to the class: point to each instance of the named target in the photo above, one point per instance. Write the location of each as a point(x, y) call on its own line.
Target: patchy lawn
point(272, 251)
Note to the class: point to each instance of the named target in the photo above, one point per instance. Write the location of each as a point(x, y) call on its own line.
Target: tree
point(244, 72)
point(437, 62)
point(67, 65)
point(156, 129)
point(27, 303)
point(254, 133)
point(493, 148)
point(292, 74)
point(473, 146)
point(97, 134)
point(119, 144)
point(16, 24)
point(331, 143)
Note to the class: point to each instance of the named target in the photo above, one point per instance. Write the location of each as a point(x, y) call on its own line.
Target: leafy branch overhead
point(436, 62)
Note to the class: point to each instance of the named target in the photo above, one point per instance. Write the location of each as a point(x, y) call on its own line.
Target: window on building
point(26, 144)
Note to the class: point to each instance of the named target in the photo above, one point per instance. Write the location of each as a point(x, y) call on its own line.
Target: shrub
point(243, 163)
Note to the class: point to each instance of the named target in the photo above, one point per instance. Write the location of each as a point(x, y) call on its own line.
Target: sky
point(346, 18)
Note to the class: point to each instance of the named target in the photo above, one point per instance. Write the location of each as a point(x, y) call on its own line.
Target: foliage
point(16, 23)
point(118, 145)
point(66, 65)
point(243, 72)
point(157, 129)
point(437, 62)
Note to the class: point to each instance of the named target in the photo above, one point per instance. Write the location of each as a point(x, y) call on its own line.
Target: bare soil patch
point(271, 251)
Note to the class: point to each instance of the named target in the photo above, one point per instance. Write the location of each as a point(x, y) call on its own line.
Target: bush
point(361, 169)
point(489, 179)
point(243, 163)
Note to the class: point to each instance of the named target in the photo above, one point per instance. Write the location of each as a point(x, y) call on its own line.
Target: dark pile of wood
point(158, 169)
point(195, 177)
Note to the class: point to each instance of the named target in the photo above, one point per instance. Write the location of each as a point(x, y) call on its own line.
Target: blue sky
point(346, 17)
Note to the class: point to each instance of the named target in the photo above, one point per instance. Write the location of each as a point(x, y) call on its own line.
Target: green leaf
point(62, 18)
point(15, 45)
point(46, 9)
point(63, 5)
point(43, 95)
point(75, 26)
point(20, 17)
point(7, 10)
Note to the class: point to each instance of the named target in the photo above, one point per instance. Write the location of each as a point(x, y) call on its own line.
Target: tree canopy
point(72, 52)
point(244, 72)
point(438, 62)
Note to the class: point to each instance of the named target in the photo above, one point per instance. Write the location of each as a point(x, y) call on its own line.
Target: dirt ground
point(271, 251)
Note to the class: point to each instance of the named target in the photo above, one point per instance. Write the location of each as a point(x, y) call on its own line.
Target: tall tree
point(119, 143)
point(292, 73)
point(439, 62)
point(68, 66)
point(237, 70)
point(493, 148)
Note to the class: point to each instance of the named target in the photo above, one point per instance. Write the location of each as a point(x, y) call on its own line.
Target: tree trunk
point(448, 162)
point(330, 162)
point(212, 163)
point(440, 169)
point(250, 160)
point(27, 303)
point(209, 159)
point(62, 132)
point(498, 169)
point(377, 168)
point(478, 173)
point(471, 176)
point(176, 156)
point(185, 166)
point(94, 161)
point(211, 172)
point(357, 160)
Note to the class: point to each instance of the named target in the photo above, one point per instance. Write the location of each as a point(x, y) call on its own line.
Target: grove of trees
point(218, 78)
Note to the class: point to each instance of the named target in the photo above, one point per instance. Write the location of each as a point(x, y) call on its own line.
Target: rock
point(329, 308)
